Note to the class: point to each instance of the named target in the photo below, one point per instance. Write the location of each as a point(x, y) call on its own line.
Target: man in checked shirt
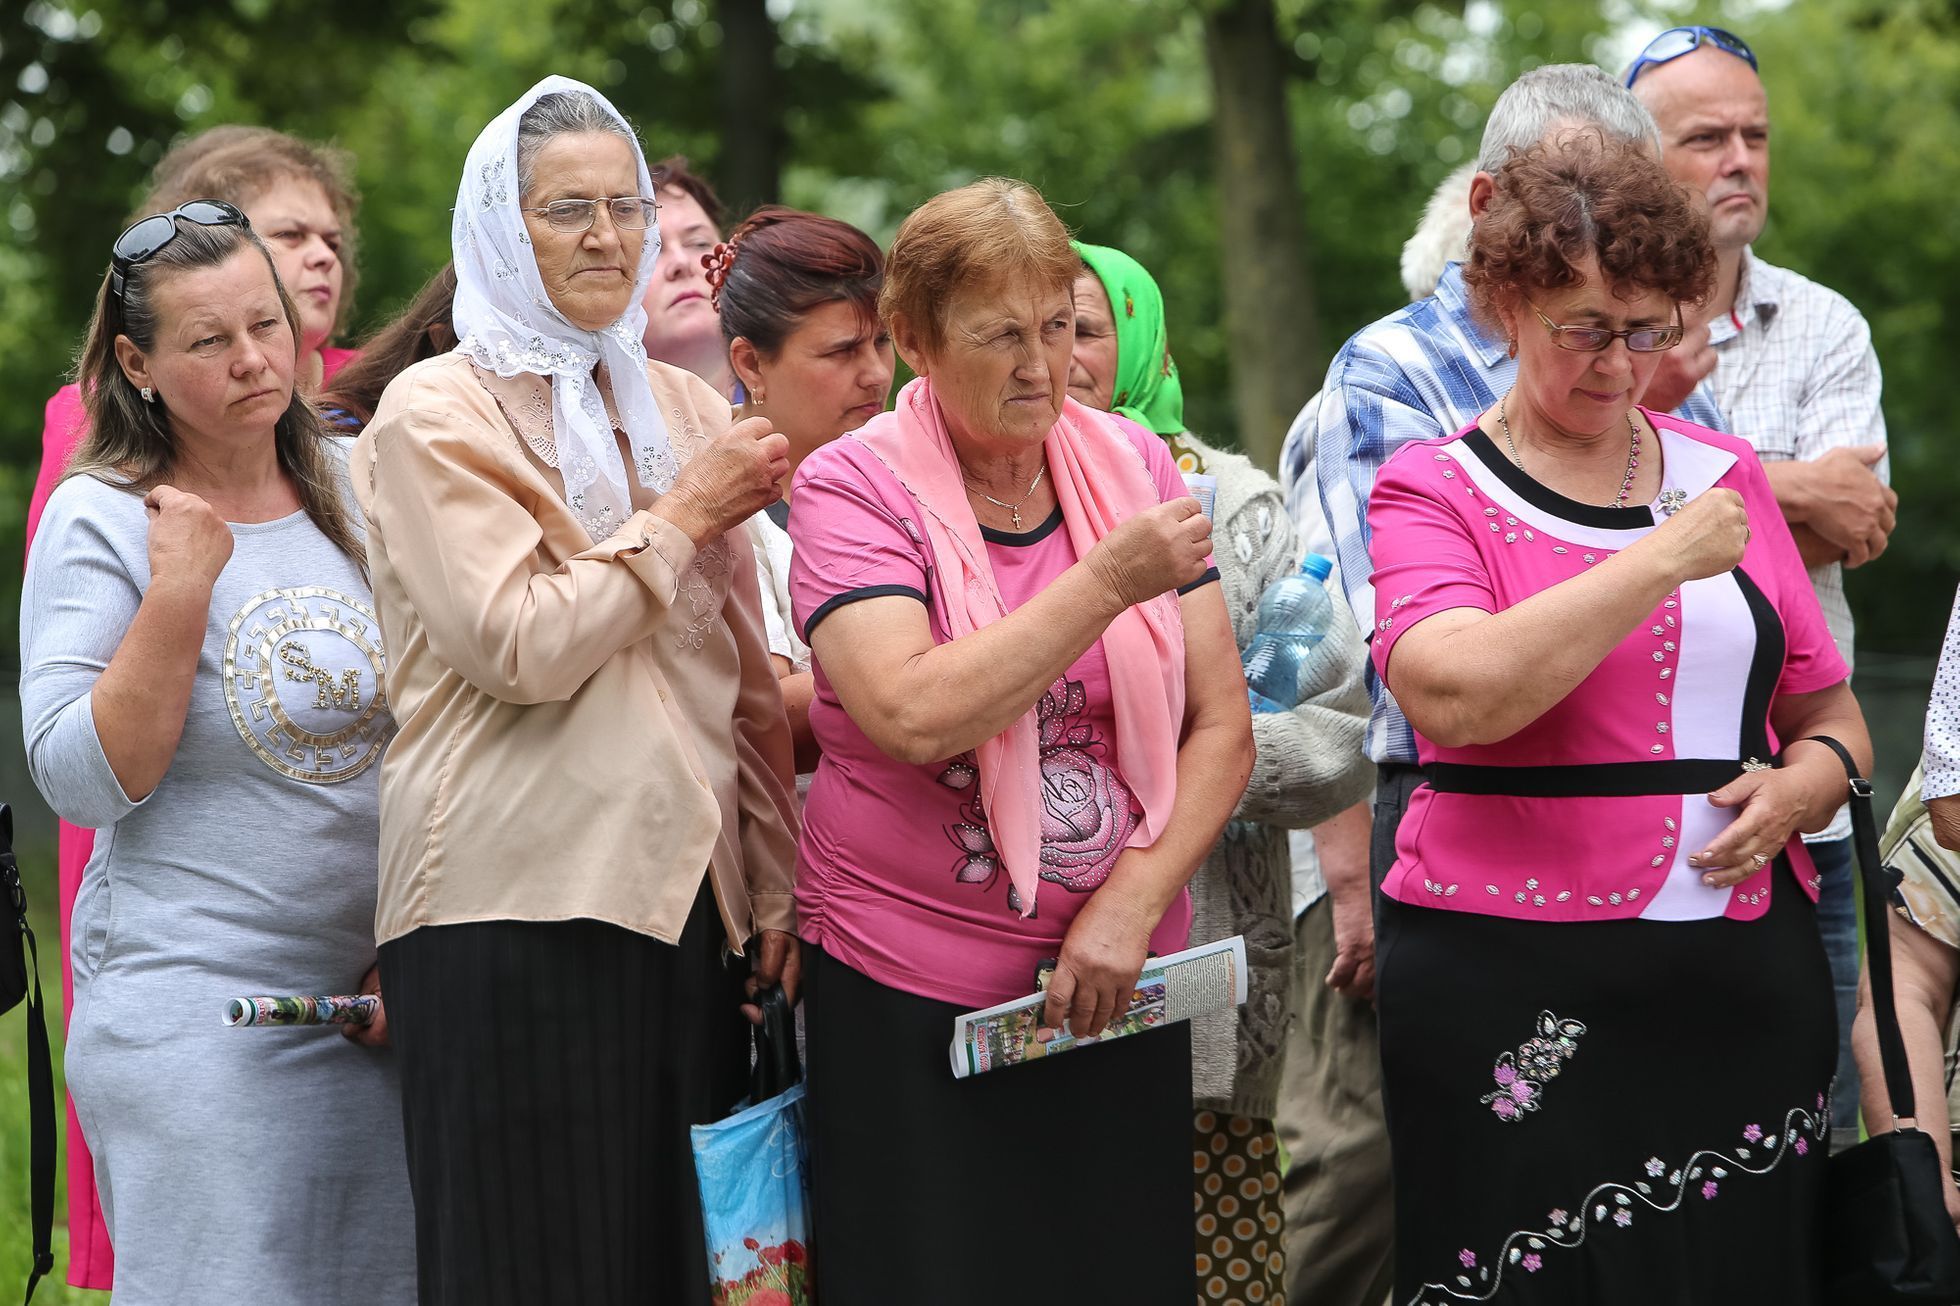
point(1796, 376)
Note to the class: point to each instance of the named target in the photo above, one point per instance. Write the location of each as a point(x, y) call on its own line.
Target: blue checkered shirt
point(1424, 371)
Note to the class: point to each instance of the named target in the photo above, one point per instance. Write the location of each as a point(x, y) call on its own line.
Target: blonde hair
point(987, 232)
point(130, 444)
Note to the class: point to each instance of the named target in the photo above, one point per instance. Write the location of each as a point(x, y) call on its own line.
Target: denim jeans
point(1837, 921)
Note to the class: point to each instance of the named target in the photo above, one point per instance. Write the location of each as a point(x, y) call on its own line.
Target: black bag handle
point(40, 1069)
point(776, 1066)
point(1876, 884)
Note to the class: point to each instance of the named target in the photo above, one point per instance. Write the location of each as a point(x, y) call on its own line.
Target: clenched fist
point(1159, 549)
point(1705, 538)
point(189, 542)
point(729, 481)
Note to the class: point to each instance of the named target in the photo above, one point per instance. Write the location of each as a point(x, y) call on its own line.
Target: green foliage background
point(1104, 104)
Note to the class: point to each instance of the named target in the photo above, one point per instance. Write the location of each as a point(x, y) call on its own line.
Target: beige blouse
point(585, 729)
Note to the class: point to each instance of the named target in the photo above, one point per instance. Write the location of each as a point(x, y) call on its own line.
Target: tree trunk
point(750, 167)
point(1269, 303)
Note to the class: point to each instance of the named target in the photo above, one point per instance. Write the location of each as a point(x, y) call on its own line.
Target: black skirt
point(1062, 1181)
point(550, 1071)
point(1618, 1113)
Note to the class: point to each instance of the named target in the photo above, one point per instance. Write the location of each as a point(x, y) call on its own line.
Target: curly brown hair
point(1586, 194)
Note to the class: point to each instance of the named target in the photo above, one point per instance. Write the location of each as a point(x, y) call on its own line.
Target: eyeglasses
point(1677, 41)
point(1590, 340)
point(143, 238)
point(628, 212)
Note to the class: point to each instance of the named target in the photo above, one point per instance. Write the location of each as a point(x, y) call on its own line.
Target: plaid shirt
point(1424, 371)
point(1798, 378)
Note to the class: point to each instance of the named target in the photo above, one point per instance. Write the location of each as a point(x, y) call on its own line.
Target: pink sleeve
point(61, 431)
point(847, 543)
point(1170, 482)
point(1426, 559)
point(1811, 660)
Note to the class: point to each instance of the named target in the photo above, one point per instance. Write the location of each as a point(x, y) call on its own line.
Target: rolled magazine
point(338, 1009)
point(1194, 982)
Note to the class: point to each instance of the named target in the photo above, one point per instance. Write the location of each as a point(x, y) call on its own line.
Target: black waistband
point(1598, 780)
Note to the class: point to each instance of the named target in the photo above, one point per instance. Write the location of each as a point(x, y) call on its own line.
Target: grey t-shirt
point(233, 1164)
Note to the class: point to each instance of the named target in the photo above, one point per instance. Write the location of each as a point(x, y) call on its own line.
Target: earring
point(1512, 350)
point(149, 395)
point(760, 397)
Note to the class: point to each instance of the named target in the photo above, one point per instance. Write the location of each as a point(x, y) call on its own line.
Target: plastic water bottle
point(1287, 661)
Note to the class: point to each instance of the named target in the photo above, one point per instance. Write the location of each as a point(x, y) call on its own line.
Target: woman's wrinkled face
point(1092, 367)
point(223, 358)
point(830, 377)
point(1001, 372)
point(302, 232)
point(1585, 393)
point(588, 274)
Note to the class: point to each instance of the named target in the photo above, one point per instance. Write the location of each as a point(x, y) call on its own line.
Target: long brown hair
point(421, 330)
point(130, 443)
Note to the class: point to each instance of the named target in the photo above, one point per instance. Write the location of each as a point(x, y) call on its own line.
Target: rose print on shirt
point(1087, 813)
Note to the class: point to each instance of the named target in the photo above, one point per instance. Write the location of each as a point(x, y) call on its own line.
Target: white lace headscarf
point(507, 324)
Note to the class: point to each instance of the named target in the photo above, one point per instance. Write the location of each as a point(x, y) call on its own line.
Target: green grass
point(16, 1242)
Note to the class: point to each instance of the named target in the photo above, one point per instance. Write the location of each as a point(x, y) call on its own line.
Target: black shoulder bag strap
point(25, 968)
point(1888, 1241)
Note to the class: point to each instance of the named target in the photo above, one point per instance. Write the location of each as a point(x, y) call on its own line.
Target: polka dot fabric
point(1241, 1255)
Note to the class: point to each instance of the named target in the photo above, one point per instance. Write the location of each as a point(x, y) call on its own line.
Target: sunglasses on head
point(143, 238)
point(1677, 41)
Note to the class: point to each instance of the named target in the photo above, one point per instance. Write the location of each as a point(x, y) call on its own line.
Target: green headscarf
point(1147, 390)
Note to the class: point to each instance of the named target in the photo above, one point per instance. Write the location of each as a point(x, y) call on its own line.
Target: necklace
point(1015, 508)
point(1633, 452)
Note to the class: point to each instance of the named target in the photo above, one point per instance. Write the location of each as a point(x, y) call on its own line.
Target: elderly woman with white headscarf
point(587, 815)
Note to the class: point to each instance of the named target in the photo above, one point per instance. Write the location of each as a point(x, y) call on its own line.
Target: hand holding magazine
point(1194, 982)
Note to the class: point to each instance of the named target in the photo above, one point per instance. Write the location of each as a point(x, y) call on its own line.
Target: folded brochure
point(1194, 982)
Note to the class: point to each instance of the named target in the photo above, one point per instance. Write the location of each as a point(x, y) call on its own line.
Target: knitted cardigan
point(1308, 766)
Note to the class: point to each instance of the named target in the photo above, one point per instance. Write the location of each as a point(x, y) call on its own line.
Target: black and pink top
point(1590, 812)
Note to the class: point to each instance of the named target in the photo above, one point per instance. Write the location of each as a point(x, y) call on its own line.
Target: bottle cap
point(1317, 567)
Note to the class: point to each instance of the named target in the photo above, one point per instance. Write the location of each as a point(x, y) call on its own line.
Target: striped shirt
point(1422, 372)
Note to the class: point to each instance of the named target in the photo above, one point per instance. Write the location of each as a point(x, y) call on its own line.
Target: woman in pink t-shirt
point(1607, 1021)
point(301, 201)
point(1033, 729)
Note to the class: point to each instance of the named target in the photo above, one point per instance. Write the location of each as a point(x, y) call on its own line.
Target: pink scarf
point(1100, 480)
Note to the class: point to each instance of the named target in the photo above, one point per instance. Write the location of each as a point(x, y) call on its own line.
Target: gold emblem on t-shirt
point(303, 668)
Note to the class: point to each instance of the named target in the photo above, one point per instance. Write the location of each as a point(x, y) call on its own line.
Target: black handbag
point(18, 966)
point(776, 1069)
point(1887, 1238)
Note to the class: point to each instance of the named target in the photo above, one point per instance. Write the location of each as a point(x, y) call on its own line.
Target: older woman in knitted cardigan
point(1309, 766)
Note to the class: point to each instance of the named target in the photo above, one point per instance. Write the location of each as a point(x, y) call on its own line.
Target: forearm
point(1489, 677)
point(140, 701)
point(954, 696)
point(1814, 549)
point(1342, 841)
point(798, 689)
point(1833, 712)
point(1212, 766)
point(1794, 483)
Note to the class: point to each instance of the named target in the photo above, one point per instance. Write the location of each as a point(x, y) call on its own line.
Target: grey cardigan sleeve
point(1308, 763)
point(77, 602)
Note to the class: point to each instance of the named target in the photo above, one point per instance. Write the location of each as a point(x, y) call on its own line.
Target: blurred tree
point(1270, 315)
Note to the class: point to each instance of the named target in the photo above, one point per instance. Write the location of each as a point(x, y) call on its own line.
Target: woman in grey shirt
point(201, 681)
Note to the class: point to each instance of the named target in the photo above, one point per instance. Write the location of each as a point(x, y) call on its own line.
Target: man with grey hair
point(1799, 380)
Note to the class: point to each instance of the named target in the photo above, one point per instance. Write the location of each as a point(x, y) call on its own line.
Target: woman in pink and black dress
point(1607, 1024)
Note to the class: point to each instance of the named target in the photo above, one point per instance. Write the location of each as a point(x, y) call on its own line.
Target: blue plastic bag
point(752, 1168)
